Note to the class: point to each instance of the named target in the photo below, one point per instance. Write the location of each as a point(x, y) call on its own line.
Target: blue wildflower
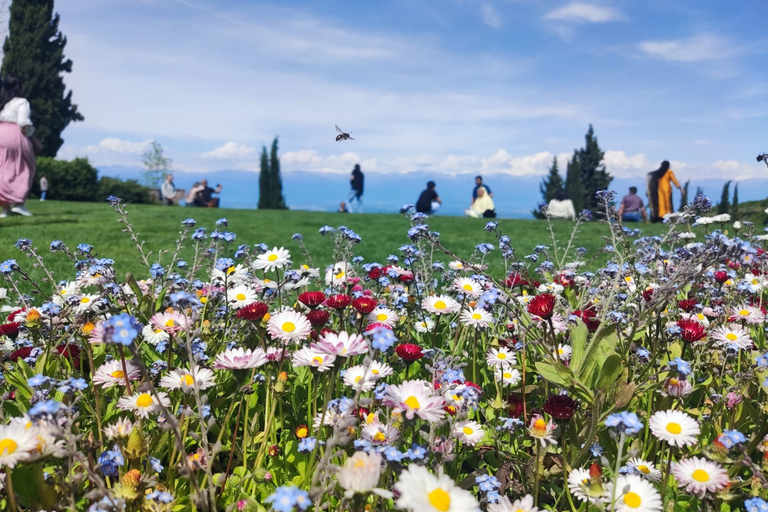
point(46, 408)
point(188, 223)
point(756, 505)
point(122, 329)
point(307, 444)
point(8, 266)
point(682, 367)
point(157, 271)
point(113, 201)
point(84, 248)
point(37, 381)
point(58, 245)
point(624, 423)
point(383, 339)
point(286, 498)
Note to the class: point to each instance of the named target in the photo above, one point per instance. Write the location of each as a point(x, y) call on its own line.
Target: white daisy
point(359, 378)
point(675, 427)
point(524, 504)
point(240, 296)
point(748, 314)
point(586, 488)
point(64, 291)
point(468, 286)
point(236, 274)
point(360, 474)
point(313, 358)
point(16, 444)
point(542, 430)
point(289, 326)
point(121, 429)
point(47, 444)
point(476, 317)
point(85, 302)
point(497, 357)
point(186, 380)
point(240, 359)
point(379, 433)
point(143, 403)
point(338, 273)
point(440, 304)
point(111, 373)
point(731, 335)
point(699, 317)
point(555, 288)
point(423, 325)
point(263, 284)
point(508, 376)
point(699, 476)
point(414, 397)
point(633, 494)
point(563, 352)
point(272, 260)
point(342, 344)
point(154, 335)
point(644, 468)
point(382, 315)
point(468, 432)
point(421, 491)
point(456, 265)
point(380, 370)
point(524, 298)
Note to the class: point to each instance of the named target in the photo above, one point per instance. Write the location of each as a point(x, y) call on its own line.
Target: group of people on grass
point(199, 195)
point(631, 209)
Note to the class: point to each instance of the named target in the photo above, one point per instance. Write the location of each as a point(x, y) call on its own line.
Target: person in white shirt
point(43, 187)
point(561, 207)
point(168, 190)
point(17, 153)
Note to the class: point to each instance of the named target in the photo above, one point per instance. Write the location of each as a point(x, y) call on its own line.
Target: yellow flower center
point(440, 499)
point(170, 323)
point(632, 500)
point(467, 287)
point(477, 316)
point(339, 275)
point(700, 475)
point(359, 463)
point(317, 360)
point(272, 257)
point(412, 402)
point(506, 375)
point(85, 300)
point(289, 327)
point(744, 312)
point(540, 424)
point(379, 437)
point(440, 305)
point(118, 374)
point(732, 337)
point(628, 279)
point(643, 469)
point(501, 355)
point(230, 271)
point(187, 379)
point(63, 291)
point(468, 431)
point(375, 371)
point(358, 378)
point(144, 400)
point(8, 446)
point(674, 428)
point(240, 296)
point(381, 317)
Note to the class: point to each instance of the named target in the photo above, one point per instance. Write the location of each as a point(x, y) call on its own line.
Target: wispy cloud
point(701, 47)
point(114, 145)
point(580, 12)
point(491, 16)
point(231, 150)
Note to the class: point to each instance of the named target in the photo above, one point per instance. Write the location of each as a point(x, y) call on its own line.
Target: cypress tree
point(735, 203)
point(277, 201)
point(574, 185)
point(684, 196)
point(593, 173)
point(34, 52)
point(723, 206)
point(264, 203)
point(550, 185)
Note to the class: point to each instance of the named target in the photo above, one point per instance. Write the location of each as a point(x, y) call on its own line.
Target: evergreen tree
point(684, 196)
point(574, 185)
point(699, 191)
point(264, 202)
point(593, 174)
point(723, 206)
point(34, 52)
point(735, 203)
point(275, 182)
point(157, 165)
point(550, 185)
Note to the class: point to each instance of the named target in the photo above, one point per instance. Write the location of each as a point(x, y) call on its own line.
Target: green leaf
point(578, 336)
point(556, 374)
point(603, 345)
point(610, 372)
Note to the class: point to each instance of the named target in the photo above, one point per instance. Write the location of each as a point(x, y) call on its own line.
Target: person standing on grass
point(659, 184)
point(17, 148)
point(43, 187)
point(168, 190)
point(356, 179)
point(429, 202)
point(632, 208)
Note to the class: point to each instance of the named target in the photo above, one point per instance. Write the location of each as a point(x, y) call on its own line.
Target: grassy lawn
point(95, 223)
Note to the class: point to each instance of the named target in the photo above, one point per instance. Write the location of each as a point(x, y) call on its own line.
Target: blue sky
point(438, 86)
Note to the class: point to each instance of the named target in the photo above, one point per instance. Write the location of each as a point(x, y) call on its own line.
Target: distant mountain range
point(515, 196)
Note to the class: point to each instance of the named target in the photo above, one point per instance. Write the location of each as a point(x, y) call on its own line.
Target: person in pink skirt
point(17, 154)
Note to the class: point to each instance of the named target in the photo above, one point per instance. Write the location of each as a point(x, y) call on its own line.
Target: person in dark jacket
point(429, 202)
point(356, 179)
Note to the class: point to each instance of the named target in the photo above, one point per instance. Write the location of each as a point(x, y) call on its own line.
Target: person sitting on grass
point(560, 207)
point(429, 202)
point(482, 206)
point(343, 208)
point(204, 196)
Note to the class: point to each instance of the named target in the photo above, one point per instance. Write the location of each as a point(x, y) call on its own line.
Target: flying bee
point(342, 135)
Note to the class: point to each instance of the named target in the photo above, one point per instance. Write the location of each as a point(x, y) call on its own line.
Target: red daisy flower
point(691, 330)
point(589, 317)
point(253, 311)
point(10, 329)
point(339, 301)
point(720, 276)
point(364, 305)
point(515, 405)
point(70, 351)
point(560, 407)
point(376, 272)
point(21, 353)
point(542, 305)
point(312, 299)
point(648, 294)
point(409, 352)
point(318, 317)
point(687, 305)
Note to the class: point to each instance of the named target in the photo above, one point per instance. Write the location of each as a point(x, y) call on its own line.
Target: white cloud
point(700, 47)
point(114, 145)
point(490, 16)
point(583, 12)
point(231, 150)
point(735, 170)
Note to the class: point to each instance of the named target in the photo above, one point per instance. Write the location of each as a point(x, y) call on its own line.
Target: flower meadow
point(241, 380)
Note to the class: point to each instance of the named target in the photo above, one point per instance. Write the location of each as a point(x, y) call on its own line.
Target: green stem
point(536, 475)
point(9, 490)
point(616, 472)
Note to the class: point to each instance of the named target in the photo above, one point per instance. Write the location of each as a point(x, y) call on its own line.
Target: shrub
point(69, 180)
point(130, 191)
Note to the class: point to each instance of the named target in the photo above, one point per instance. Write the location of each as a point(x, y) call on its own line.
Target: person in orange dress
point(660, 184)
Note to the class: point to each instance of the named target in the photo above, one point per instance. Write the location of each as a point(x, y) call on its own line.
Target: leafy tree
point(723, 206)
point(550, 185)
point(34, 52)
point(593, 173)
point(574, 185)
point(129, 191)
point(735, 203)
point(275, 181)
point(684, 196)
point(156, 163)
point(74, 180)
point(264, 202)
